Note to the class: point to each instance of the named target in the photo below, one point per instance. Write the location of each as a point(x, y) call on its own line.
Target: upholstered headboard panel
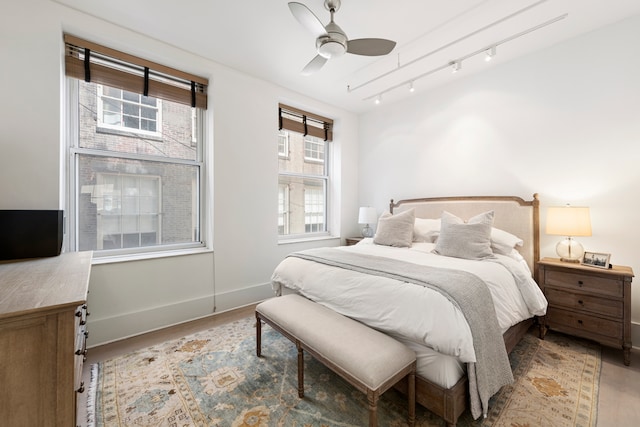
point(512, 214)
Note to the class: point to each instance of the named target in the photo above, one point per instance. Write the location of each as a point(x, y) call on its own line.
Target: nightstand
point(352, 240)
point(588, 302)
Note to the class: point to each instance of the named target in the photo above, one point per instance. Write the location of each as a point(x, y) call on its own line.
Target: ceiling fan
point(331, 41)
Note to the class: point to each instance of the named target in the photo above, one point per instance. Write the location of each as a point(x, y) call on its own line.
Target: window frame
point(325, 177)
point(74, 151)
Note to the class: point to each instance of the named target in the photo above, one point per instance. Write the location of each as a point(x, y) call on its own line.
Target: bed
point(423, 251)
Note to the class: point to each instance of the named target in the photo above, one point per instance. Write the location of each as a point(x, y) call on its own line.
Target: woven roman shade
point(300, 121)
point(94, 63)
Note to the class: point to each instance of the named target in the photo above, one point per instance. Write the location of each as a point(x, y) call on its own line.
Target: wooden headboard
point(512, 214)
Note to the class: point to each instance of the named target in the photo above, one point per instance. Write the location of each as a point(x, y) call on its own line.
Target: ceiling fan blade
point(314, 65)
point(307, 18)
point(370, 47)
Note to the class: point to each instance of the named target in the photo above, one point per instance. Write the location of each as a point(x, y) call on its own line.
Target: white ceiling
point(263, 39)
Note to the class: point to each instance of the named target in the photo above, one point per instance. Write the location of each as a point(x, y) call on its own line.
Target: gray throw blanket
point(491, 370)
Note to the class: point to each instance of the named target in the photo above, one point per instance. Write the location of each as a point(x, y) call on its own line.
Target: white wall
point(563, 122)
point(130, 297)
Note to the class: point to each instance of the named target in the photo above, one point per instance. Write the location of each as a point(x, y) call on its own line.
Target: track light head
point(490, 53)
point(411, 88)
point(455, 66)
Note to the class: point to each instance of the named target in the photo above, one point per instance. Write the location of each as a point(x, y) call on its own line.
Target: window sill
point(112, 259)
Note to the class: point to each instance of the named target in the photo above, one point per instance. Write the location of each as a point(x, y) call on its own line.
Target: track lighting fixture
point(490, 53)
point(456, 64)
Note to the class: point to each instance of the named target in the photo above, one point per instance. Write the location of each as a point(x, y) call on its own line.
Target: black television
point(30, 233)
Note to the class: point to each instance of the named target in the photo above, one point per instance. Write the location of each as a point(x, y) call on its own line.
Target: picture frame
point(596, 259)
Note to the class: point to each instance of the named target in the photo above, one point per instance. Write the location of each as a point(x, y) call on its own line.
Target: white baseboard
point(126, 325)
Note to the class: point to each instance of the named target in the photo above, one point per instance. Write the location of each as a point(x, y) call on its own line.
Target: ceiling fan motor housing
point(334, 43)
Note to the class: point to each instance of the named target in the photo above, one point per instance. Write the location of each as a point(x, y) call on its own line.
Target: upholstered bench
point(369, 360)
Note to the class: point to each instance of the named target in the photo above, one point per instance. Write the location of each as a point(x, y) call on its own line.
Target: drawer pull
point(78, 314)
point(81, 389)
point(580, 302)
point(81, 352)
point(580, 322)
point(580, 283)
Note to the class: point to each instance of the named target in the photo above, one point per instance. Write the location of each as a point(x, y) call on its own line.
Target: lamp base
point(367, 231)
point(569, 250)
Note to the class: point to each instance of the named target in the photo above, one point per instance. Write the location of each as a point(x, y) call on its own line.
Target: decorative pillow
point(503, 242)
point(468, 240)
point(426, 230)
point(395, 230)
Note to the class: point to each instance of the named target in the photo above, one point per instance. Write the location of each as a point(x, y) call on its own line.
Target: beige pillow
point(426, 230)
point(395, 230)
point(468, 240)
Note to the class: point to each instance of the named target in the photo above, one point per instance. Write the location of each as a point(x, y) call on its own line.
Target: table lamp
point(569, 221)
point(367, 215)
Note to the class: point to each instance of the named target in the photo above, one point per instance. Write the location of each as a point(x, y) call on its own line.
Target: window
point(303, 142)
point(283, 143)
point(136, 160)
point(313, 149)
point(128, 111)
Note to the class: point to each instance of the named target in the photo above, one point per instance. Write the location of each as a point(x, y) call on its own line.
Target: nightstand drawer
point(592, 304)
point(586, 324)
point(584, 282)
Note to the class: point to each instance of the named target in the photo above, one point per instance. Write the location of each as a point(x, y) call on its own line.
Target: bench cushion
point(362, 352)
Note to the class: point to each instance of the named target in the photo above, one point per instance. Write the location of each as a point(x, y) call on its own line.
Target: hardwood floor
point(618, 406)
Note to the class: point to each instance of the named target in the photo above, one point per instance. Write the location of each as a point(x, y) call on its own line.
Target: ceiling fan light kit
point(331, 40)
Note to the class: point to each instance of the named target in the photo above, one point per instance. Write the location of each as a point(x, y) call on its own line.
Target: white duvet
point(411, 312)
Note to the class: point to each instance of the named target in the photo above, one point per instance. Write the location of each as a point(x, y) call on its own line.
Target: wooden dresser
point(588, 302)
point(42, 338)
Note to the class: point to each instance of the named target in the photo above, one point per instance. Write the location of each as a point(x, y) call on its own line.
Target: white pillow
point(503, 242)
point(468, 240)
point(426, 230)
point(395, 230)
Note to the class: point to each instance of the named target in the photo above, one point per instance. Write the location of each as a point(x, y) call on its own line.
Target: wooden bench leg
point(258, 335)
point(412, 397)
point(372, 397)
point(300, 370)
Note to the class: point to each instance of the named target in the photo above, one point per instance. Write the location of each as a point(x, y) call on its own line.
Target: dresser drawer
point(584, 282)
point(585, 324)
point(589, 303)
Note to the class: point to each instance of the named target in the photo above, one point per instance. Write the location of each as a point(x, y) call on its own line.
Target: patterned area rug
point(213, 378)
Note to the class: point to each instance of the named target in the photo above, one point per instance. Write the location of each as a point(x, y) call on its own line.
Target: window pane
point(298, 161)
point(302, 205)
point(124, 126)
point(131, 203)
point(131, 109)
point(130, 96)
point(112, 92)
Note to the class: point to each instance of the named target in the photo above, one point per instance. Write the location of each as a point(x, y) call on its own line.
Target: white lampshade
point(367, 215)
point(569, 221)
